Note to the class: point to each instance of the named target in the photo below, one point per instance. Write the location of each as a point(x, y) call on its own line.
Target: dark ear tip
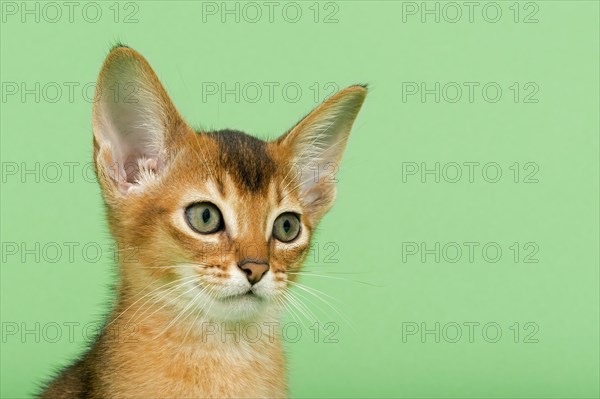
point(358, 90)
point(120, 50)
point(118, 45)
point(122, 53)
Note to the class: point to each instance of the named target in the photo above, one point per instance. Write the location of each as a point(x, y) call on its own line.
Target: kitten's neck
point(137, 317)
point(146, 350)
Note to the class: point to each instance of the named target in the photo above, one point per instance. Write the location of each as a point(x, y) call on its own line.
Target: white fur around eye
point(179, 220)
point(302, 239)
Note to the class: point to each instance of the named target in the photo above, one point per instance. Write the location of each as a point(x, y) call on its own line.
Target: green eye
point(204, 217)
point(286, 227)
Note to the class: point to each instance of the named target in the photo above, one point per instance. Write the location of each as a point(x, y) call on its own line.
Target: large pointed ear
point(316, 145)
point(136, 126)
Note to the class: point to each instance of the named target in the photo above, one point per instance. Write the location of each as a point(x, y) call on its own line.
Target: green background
point(376, 211)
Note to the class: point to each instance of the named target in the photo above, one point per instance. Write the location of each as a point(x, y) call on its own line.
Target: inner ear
point(135, 122)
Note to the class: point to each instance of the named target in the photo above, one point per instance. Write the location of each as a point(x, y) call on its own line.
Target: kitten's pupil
point(206, 215)
point(286, 227)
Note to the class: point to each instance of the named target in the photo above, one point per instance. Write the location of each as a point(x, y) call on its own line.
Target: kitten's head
point(212, 221)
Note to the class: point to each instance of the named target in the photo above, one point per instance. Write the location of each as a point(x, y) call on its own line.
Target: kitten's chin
point(244, 307)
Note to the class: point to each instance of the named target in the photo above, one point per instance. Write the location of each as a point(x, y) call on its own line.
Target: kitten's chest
point(224, 370)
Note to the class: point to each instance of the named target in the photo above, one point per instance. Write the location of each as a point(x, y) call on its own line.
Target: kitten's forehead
point(245, 158)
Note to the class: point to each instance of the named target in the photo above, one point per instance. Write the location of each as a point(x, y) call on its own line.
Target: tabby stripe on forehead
point(245, 158)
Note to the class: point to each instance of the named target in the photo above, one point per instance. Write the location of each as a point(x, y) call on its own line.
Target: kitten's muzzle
point(254, 269)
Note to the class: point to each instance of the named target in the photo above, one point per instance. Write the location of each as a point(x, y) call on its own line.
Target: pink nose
point(254, 270)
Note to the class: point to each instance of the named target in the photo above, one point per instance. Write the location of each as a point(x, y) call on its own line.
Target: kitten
point(210, 225)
